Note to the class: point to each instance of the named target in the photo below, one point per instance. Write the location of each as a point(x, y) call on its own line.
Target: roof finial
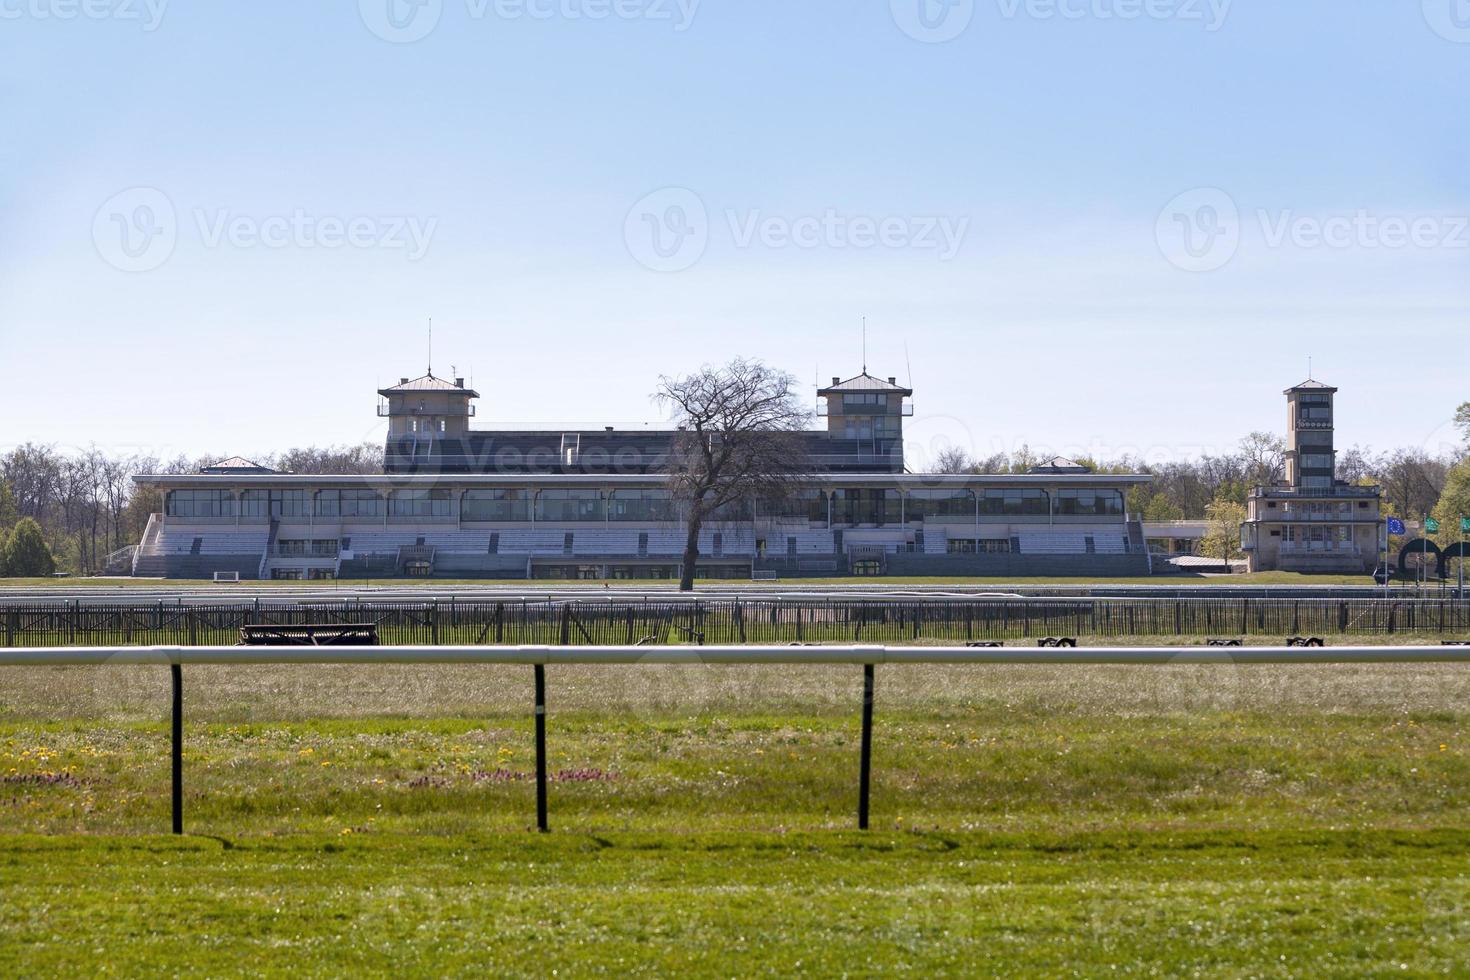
point(865, 345)
point(1309, 367)
point(431, 347)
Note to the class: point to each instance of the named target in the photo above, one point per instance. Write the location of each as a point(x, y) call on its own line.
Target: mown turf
point(1271, 821)
point(1305, 904)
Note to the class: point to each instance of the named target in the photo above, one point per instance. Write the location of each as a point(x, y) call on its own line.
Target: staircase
point(147, 561)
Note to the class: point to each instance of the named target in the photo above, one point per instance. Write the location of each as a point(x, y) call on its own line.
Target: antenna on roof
point(908, 365)
point(1309, 367)
point(865, 345)
point(431, 347)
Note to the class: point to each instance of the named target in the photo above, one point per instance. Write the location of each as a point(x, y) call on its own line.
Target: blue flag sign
point(1396, 526)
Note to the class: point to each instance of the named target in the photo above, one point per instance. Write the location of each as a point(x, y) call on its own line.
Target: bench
point(310, 635)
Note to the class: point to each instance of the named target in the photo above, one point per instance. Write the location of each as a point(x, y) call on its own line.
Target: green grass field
point(1267, 821)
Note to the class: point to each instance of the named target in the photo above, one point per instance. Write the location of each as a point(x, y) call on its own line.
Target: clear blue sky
point(148, 150)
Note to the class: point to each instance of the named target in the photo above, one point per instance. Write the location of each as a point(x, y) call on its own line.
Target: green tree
point(1222, 540)
point(1462, 420)
point(1454, 503)
point(8, 515)
point(26, 553)
point(1161, 508)
point(4, 535)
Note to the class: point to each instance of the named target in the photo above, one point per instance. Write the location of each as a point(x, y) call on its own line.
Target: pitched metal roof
point(236, 464)
point(864, 382)
point(1309, 385)
point(428, 383)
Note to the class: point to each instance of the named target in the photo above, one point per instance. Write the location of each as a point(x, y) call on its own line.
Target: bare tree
point(953, 459)
point(739, 440)
point(1265, 458)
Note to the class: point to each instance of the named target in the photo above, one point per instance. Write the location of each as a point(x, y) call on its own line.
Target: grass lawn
point(1269, 821)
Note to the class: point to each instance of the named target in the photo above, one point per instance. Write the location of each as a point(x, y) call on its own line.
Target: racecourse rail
point(541, 656)
point(623, 620)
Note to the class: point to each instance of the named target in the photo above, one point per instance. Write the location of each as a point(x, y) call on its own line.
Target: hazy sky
point(1087, 225)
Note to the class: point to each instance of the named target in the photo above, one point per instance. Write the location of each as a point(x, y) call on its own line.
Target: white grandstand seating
point(807, 543)
point(214, 541)
point(604, 541)
point(1072, 543)
point(529, 542)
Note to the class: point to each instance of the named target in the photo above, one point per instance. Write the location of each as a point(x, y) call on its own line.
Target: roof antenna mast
point(431, 347)
point(865, 345)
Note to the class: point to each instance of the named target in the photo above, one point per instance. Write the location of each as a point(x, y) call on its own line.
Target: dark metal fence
point(734, 620)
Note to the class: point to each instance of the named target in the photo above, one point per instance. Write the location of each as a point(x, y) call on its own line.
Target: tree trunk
point(691, 555)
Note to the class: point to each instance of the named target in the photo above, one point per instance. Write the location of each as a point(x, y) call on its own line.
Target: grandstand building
point(464, 503)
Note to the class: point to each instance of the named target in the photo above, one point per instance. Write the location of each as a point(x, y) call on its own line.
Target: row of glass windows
point(855, 506)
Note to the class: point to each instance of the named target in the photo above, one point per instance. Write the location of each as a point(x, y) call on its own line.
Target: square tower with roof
point(427, 408)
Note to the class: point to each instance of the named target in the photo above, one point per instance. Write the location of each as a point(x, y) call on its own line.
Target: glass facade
point(641, 505)
point(939, 504)
point(200, 503)
point(349, 503)
point(865, 506)
point(419, 503)
point(495, 505)
point(275, 503)
point(569, 505)
point(1014, 503)
point(1099, 503)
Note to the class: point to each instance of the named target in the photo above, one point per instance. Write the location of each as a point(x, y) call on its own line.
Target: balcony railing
point(1287, 493)
point(906, 409)
point(452, 411)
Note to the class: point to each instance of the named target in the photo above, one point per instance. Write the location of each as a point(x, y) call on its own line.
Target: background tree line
point(81, 506)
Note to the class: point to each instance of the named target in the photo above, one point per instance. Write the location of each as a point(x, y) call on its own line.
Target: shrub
point(26, 553)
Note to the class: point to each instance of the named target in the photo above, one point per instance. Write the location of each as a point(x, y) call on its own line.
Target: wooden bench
point(310, 635)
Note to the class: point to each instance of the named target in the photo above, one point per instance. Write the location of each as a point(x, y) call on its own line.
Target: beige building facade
point(1312, 521)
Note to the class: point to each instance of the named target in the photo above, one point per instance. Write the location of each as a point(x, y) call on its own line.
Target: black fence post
point(541, 823)
point(176, 673)
point(865, 764)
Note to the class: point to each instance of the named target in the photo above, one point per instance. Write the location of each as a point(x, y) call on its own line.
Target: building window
point(939, 504)
point(349, 503)
point(805, 505)
point(200, 503)
point(419, 503)
point(1093, 503)
point(641, 505)
point(1014, 503)
point(291, 547)
point(274, 503)
point(864, 400)
point(496, 504)
point(569, 505)
point(866, 506)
